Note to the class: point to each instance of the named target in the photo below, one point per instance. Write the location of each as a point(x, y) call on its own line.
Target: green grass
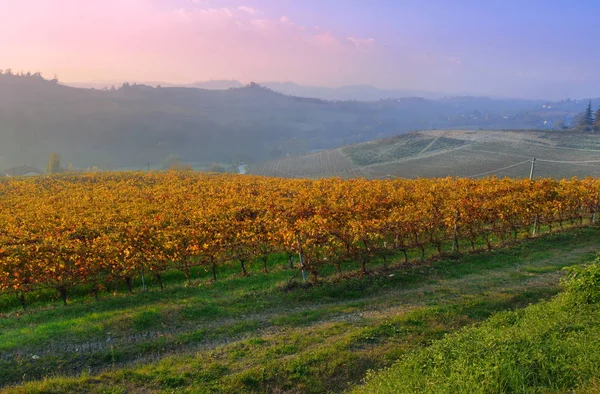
point(245, 334)
point(398, 147)
point(480, 151)
point(385, 150)
point(549, 347)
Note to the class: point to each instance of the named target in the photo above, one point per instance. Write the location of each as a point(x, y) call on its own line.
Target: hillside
point(134, 125)
point(550, 346)
point(229, 283)
point(138, 124)
point(244, 334)
point(441, 153)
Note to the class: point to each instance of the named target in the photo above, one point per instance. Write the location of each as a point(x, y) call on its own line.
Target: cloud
point(208, 17)
point(151, 40)
point(455, 60)
point(362, 42)
point(248, 10)
point(261, 24)
point(326, 38)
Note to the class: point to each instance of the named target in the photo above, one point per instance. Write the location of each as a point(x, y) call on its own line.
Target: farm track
point(431, 144)
point(423, 156)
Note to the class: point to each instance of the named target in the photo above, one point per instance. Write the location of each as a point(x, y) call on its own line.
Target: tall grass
point(549, 347)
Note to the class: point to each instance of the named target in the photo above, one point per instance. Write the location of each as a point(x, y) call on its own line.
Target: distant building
point(22, 171)
point(243, 169)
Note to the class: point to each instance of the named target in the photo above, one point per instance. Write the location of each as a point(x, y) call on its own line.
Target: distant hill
point(344, 93)
point(355, 92)
point(217, 84)
point(441, 153)
point(133, 125)
point(137, 124)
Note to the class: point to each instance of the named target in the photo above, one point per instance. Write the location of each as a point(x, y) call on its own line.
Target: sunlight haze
point(533, 49)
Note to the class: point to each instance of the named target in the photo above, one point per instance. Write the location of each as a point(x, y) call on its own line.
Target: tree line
point(588, 121)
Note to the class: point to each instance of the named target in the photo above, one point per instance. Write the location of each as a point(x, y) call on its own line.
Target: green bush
point(583, 283)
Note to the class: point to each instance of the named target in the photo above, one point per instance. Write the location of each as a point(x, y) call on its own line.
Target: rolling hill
point(135, 125)
point(441, 153)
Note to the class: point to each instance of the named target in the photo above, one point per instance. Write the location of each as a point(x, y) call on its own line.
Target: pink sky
point(177, 41)
point(492, 47)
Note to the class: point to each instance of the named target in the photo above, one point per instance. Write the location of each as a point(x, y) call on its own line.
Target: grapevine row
point(63, 231)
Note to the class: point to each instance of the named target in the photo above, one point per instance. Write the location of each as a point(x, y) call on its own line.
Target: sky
point(508, 48)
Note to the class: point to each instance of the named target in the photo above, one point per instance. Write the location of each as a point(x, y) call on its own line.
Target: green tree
point(171, 162)
point(597, 120)
point(559, 124)
point(585, 120)
point(216, 167)
point(54, 163)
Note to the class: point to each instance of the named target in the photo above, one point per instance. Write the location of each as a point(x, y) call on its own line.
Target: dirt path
point(431, 144)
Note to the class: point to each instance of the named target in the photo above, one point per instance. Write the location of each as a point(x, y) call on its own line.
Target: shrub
point(583, 283)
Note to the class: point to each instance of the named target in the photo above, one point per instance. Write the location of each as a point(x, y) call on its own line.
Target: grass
point(462, 153)
point(549, 347)
point(244, 334)
point(399, 147)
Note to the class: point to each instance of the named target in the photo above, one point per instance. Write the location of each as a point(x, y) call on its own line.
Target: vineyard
point(96, 229)
point(331, 163)
point(456, 153)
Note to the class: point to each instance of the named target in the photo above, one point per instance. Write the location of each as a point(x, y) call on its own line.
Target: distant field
point(441, 153)
point(314, 165)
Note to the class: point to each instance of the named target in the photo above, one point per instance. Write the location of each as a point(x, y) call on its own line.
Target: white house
point(243, 169)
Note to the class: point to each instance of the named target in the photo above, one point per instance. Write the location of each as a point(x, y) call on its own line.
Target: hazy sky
point(519, 48)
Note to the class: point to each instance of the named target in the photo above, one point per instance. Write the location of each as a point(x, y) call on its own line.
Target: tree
point(54, 163)
point(597, 120)
point(585, 120)
point(216, 167)
point(172, 162)
point(559, 124)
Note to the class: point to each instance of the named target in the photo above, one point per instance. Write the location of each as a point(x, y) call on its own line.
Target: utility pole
point(535, 222)
point(455, 236)
point(143, 279)
point(301, 258)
